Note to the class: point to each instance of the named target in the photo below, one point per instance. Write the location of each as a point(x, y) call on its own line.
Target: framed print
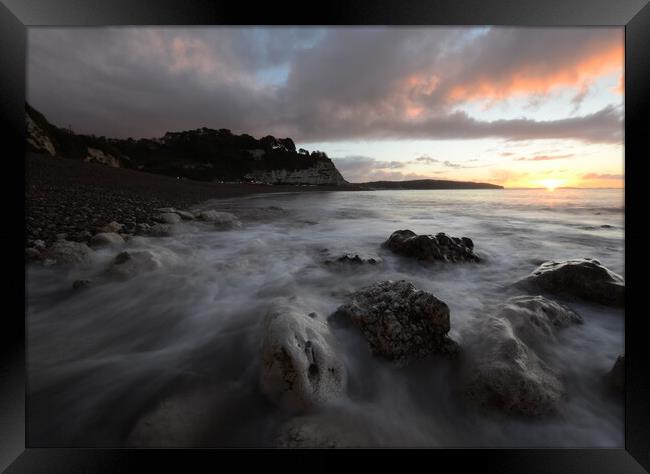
point(251, 234)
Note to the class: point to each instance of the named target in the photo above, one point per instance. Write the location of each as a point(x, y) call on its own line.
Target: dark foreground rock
point(508, 376)
point(352, 259)
point(300, 367)
point(584, 278)
point(399, 321)
point(430, 248)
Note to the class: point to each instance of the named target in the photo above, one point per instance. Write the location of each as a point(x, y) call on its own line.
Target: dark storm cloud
point(310, 84)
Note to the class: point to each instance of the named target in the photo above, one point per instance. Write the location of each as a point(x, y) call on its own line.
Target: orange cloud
point(529, 79)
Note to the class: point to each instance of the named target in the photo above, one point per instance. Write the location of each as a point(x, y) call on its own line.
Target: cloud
point(449, 164)
point(426, 159)
point(545, 157)
point(602, 176)
point(316, 84)
point(534, 61)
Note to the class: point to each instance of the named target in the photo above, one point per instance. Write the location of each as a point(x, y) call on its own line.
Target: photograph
point(325, 236)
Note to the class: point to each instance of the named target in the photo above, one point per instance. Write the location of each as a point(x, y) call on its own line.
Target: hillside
point(203, 154)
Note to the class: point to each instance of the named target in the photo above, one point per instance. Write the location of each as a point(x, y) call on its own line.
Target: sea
point(171, 357)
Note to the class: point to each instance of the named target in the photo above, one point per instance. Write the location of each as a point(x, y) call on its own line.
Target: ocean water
point(171, 357)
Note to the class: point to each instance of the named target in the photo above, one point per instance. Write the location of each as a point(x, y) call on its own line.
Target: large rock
point(432, 247)
point(583, 278)
point(536, 320)
point(167, 218)
point(400, 321)
point(508, 376)
point(300, 366)
point(64, 252)
point(111, 227)
point(221, 220)
point(132, 262)
point(354, 259)
point(161, 230)
point(106, 239)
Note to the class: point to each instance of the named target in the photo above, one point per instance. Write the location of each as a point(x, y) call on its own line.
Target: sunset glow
point(519, 107)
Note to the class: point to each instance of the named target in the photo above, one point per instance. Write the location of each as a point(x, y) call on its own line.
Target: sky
point(519, 107)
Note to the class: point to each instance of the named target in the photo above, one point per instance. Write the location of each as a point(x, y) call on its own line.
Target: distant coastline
point(424, 184)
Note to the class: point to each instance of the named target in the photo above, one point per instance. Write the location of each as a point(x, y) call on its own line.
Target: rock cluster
point(439, 247)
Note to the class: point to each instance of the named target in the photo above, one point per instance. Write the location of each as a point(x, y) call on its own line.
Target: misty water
point(172, 357)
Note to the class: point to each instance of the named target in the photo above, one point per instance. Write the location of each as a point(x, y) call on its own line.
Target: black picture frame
point(17, 15)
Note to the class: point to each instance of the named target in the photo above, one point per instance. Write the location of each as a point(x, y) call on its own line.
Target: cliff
point(203, 154)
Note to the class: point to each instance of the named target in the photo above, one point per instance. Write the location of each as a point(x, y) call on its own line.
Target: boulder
point(584, 278)
point(65, 252)
point(300, 367)
point(354, 259)
point(132, 262)
point(167, 218)
point(221, 220)
point(161, 230)
point(535, 319)
point(400, 321)
point(111, 227)
point(508, 376)
point(615, 378)
point(106, 239)
point(185, 215)
point(430, 248)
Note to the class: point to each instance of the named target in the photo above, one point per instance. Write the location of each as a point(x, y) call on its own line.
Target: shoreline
point(78, 199)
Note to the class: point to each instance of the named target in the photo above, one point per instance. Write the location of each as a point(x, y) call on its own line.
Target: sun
point(551, 184)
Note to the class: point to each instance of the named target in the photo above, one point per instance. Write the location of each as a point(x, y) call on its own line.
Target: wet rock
point(400, 321)
point(507, 375)
point(111, 227)
point(439, 247)
point(80, 284)
point(106, 239)
point(300, 367)
point(185, 215)
point(536, 319)
point(64, 252)
point(161, 230)
point(167, 218)
point(615, 378)
point(221, 220)
point(39, 244)
point(132, 262)
point(584, 278)
point(354, 259)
